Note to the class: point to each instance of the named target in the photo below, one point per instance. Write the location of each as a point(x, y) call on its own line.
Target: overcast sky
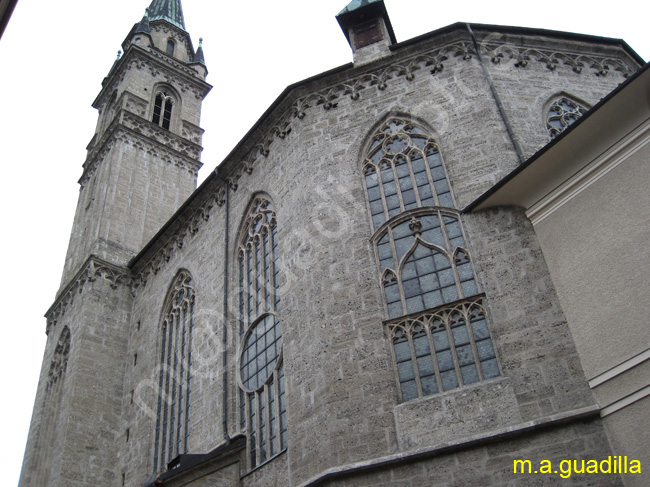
point(53, 57)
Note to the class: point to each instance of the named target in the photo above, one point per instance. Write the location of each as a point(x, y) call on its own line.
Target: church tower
point(141, 165)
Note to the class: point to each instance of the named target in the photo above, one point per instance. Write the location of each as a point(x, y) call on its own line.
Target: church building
point(424, 267)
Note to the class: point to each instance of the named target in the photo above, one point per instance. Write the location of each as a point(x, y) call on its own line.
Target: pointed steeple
point(169, 10)
point(143, 26)
point(198, 55)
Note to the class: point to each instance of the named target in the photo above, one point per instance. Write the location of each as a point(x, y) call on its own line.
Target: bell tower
point(141, 165)
point(143, 160)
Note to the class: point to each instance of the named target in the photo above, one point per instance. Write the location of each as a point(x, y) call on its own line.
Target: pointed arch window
point(162, 110)
point(403, 170)
point(562, 113)
point(263, 411)
point(437, 324)
point(174, 386)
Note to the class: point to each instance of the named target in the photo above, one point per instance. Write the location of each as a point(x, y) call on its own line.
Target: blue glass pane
point(457, 242)
point(449, 380)
point(402, 351)
point(445, 360)
point(414, 304)
point(465, 272)
point(450, 294)
point(409, 199)
point(485, 350)
point(405, 371)
point(409, 271)
point(409, 390)
point(433, 299)
point(377, 208)
point(480, 330)
point(470, 374)
point(418, 142)
point(374, 194)
point(392, 203)
point(442, 262)
point(429, 385)
point(425, 366)
point(402, 230)
point(378, 220)
point(446, 278)
point(490, 368)
point(425, 265)
point(438, 173)
point(469, 288)
point(392, 294)
point(411, 288)
point(403, 171)
point(434, 236)
point(390, 187)
point(421, 345)
point(445, 200)
point(441, 186)
point(465, 355)
point(395, 310)
point(440, 340)
point(429, 283)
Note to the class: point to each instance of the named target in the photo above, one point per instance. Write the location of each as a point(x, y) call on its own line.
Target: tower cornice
point(176, 73)
point(168, 146)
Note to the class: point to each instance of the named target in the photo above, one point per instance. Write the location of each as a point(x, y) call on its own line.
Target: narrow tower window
point(162, 110)
point(170, 47)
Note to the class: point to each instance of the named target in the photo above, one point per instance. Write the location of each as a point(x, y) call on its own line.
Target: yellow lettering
point(607, 464)
point(565, 468)
point(575, 467)
point(545, 466)
point(522, 463)
point(592, 466)
point(635, 466)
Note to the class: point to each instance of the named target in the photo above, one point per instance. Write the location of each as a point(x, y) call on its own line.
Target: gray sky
point(53, 57)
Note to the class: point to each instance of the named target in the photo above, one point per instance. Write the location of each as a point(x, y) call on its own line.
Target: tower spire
point(169, 10)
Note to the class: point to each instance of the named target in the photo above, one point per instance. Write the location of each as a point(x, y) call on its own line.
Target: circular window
point(261, 352)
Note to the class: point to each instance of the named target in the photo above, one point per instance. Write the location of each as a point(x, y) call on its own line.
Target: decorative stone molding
point(94, 268)
point(600, 65)
point(192, 132)
point(128, 128)
point(190, 224)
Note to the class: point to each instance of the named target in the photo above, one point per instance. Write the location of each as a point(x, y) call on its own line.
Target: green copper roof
point(169, 10)
point(356, 4)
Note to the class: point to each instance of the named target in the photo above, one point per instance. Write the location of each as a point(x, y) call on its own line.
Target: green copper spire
point(169, 10)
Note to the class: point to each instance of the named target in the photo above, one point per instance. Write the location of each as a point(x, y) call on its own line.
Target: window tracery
point(403, 170)
point(562, 113)
point(437, 324)
point(262, 395)
point(174, 386)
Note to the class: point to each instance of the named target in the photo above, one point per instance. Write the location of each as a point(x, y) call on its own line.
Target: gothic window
point(174, 386)
point(262, 406)
point(562, 113)
point(403, 170)
point(162, 109)
point(443, 349)
point(440, 339)
point(424, 262)
point(170, 47)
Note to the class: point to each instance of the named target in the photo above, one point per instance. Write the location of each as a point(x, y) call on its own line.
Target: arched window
point(403, 170)
point(437, 324)
point(174, 387)
point(162, 109)
point(562, 113)
point(170, 47)
point(263, 408)
point(424, 262)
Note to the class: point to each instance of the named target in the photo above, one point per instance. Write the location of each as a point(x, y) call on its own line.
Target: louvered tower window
point(162, 110)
